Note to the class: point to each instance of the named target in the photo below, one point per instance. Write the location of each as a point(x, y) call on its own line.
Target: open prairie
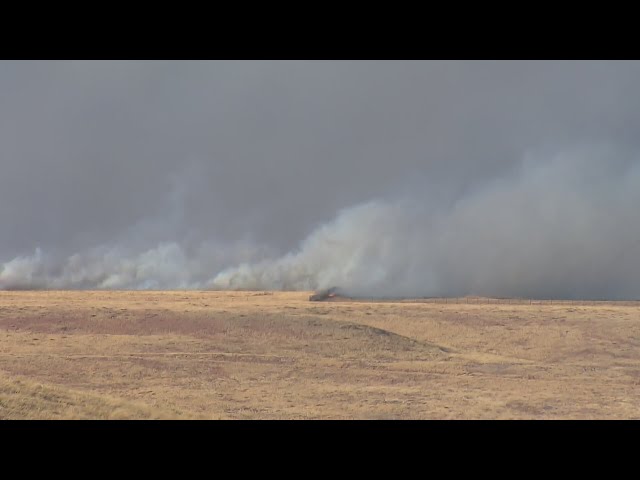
point(262, 355)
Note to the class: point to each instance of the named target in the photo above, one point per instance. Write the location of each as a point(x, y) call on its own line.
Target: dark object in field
point(324, 294)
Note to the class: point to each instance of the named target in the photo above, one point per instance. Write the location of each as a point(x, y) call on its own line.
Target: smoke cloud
point(512, 179)
point(564, 227)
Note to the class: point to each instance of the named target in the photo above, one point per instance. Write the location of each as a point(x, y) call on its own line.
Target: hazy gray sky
point(226, 162)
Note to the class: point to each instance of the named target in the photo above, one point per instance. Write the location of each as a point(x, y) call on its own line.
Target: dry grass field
point(259, 355)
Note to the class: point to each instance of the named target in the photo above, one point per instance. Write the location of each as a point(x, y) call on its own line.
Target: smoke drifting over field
point(383, 178)
point(564, 227)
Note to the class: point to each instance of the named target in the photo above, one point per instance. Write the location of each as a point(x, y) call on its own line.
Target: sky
point(398, 178)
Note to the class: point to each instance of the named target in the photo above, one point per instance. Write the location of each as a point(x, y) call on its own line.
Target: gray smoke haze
point(383, 178)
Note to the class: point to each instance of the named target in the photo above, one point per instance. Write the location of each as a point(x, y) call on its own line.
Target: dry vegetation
point(238, 355)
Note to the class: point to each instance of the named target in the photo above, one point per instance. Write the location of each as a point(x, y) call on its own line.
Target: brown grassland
point(261, 355)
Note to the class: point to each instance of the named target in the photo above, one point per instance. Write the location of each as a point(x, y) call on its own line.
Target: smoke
point(382, 178)
point(165, 266)
point(560, 227)
point(157, 252)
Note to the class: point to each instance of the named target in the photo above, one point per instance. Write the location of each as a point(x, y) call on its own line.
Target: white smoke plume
point(165, 266)
point(171, 175)
point(564, 227)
